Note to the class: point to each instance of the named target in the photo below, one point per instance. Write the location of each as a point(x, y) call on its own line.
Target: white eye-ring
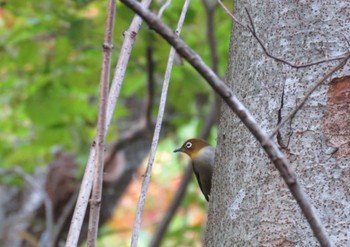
point(188, 145)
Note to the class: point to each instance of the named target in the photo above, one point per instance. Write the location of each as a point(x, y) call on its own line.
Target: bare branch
point(67, 210)
point(232, 16)
point(150, 86)
point(210, 120)
point(47, 236)
point(95, 202)
point(86, 185)
point(163, 97)
point(307, 95)
point(175, 203)
point(186, 178)
point(297, 66)
point(270, 147)
point(210, 11)
point(164, 6)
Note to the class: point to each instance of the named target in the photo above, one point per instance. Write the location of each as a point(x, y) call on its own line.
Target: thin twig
point(163, 97)
point(86, 184)
point(232, 16)
point(150, 86)
point(95, 202)
point(307, 95)
point(66, 212)
point(278, 59)
point(270, 147)
point(210, 7)
point(162, 227)
point(120, 68)
point(186, 178)
point(46, 238)
point(210, 11)
point(164, 6)
point(252, 30)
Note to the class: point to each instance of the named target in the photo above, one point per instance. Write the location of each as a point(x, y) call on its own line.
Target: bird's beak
point(178, 150)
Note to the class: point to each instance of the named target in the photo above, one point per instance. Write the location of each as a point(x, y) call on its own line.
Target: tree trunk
point(250, 204)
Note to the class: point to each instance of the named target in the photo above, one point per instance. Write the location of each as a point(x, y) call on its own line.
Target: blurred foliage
point(49, 81)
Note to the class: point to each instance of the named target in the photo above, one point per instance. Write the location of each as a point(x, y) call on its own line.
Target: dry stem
point(147, 176)
point(86, 184)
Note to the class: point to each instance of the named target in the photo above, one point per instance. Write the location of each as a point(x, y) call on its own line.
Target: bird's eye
point(188, 145)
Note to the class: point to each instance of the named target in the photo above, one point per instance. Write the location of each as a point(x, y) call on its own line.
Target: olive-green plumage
point(202, 155)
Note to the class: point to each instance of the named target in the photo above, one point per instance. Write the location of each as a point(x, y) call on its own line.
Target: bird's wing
point(199, 182)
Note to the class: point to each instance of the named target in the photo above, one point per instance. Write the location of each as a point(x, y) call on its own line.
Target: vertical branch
point(46, 238)
point(86, 184)
point(95, 202)
point(147, 177)
point(150, 86)
point(210, 8)
point(165, 5)
point(210, 11)
point(125, 51)
point(63, 217)
point(210, 120)
point(181, 190)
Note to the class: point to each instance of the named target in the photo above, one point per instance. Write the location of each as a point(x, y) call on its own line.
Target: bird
point(202, 155)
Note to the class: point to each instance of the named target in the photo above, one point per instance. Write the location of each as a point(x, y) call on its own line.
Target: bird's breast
point(204, 160)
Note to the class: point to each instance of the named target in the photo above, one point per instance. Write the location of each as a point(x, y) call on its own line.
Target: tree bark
point(250, 204)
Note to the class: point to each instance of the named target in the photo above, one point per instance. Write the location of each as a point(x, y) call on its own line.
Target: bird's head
point(191, 147)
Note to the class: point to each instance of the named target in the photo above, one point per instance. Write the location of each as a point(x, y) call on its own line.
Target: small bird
point(202, 155)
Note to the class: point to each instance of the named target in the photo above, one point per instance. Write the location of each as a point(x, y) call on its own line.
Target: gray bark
point(250, 204)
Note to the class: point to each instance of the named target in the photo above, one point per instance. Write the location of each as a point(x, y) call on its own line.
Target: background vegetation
point(49, 83)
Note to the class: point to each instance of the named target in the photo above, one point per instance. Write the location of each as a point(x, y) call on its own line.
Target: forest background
point(51, 56)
